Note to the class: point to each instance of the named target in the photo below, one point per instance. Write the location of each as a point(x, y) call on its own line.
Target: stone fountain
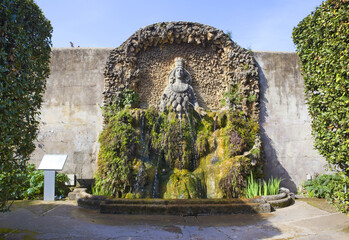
point(181, 121)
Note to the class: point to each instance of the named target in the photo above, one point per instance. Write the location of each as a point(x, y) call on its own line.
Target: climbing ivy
point(322, 40)
point(25, 46)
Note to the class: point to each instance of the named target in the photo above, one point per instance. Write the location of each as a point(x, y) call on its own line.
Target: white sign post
point(51, 163)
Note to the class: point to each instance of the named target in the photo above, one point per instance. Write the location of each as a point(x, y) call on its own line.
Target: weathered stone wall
point(71, 118)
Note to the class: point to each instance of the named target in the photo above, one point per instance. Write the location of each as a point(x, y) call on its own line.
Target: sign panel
point(53, 162)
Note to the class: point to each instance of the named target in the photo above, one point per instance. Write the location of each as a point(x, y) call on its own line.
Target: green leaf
point(22, 58)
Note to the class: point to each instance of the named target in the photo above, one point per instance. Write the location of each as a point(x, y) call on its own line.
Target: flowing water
point(155, 192)
point(214, 158)
point(137, 186)
point(156, 182)
point(180, 140)
point(194, 110)
point(143, 143)
point(192, 140)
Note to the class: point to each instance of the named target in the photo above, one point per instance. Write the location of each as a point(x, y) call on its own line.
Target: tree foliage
point(25, 45)
point(322, 41)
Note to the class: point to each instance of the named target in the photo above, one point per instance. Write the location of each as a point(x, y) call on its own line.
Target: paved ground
point(65, 220)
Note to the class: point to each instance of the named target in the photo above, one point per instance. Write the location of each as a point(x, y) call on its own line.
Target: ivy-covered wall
point(322, 46)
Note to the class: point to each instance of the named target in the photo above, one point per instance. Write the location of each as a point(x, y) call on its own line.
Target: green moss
point(239, 134)
point(221, 119)
point(130, 195)
point(17, 234)
point(183, 185)
point(7, 230)
point(252, 98)
point(118, 149)
point(193, 156)
point(233, 180)
point(204, 141)
point(145, 174)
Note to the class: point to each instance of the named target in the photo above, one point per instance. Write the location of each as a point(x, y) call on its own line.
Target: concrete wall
point(285, 123)
point(71, 118)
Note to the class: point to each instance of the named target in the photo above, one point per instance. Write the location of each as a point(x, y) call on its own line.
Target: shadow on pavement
point(65, 220)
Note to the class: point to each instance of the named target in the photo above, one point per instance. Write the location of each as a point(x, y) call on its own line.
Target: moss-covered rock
point(183, 185)
point(145, 153)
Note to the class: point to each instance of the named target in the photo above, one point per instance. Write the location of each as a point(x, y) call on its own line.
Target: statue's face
point(179, 73)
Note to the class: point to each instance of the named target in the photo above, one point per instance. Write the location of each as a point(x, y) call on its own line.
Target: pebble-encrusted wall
point(214, 61)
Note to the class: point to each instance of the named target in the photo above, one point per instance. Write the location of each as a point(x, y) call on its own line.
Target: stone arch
point(214, 61)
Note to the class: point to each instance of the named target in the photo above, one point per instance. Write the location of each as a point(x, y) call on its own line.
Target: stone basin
point(183, 207)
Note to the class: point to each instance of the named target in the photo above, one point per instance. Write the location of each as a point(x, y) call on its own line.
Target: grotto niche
point(179, 95)
point(181, 116)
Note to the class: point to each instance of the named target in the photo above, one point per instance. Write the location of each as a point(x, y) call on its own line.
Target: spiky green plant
point(254, 187)
point(273, 186)
point(265, 188)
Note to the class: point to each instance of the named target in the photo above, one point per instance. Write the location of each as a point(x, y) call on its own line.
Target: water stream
point(195, 110)
point(192, 140)
point(156, 182)
point(155, 192)
point(143, 157)
point(215, 158)
point(180, 141)
point(137, 187)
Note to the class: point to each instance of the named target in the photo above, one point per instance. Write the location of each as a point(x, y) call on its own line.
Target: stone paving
point(65, 220)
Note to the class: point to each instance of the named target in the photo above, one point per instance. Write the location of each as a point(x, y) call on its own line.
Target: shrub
point(25, 40)
point(332, 187)
point(322, 46)
point(32, 186)
point(321, 186)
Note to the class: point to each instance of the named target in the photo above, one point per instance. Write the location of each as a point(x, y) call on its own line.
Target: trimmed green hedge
point(322, 41)
point(25, 46)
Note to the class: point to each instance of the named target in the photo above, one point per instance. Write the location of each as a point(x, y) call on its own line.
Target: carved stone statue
point(179, 95)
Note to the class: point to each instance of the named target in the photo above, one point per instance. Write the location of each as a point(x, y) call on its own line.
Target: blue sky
point(264, 25)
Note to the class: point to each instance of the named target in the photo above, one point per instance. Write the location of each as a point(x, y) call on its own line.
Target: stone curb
point(184, 207)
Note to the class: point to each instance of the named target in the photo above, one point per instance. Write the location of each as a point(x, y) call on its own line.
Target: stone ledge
point(281, 203)
point(274, 197)
point(184, 201)
point(91, 202)
point(186, 209)
point(183, 207)
point(281, 200)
